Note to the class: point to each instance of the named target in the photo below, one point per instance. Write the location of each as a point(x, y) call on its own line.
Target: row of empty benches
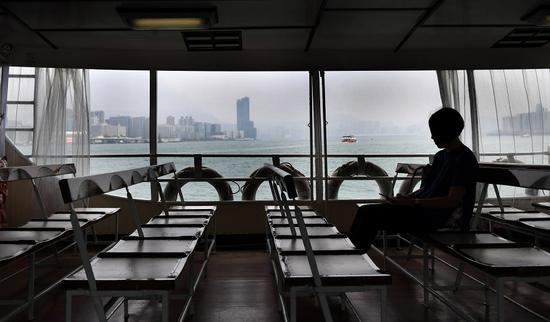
point(157, 261)
point(43, 233)
point(311, 257)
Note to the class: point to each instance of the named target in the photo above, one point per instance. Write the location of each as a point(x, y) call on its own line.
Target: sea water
point(234, 167)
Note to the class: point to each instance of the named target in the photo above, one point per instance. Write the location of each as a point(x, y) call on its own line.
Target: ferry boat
point(348, 139)
point(285, 69)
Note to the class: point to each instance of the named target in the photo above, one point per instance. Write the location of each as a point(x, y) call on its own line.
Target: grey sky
point(403, 98)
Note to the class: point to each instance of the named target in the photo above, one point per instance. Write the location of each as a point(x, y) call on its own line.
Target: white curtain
point(62, 108)
point(453, 88)
point(514, 114)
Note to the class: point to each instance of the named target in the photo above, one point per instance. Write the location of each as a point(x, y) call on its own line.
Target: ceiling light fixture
point(538, 17)
point(169, 18)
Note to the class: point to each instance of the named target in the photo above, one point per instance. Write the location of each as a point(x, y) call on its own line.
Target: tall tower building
point(170, 120)
point(244, 124)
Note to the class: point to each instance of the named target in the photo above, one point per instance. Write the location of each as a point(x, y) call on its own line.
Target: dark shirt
point(455, 168)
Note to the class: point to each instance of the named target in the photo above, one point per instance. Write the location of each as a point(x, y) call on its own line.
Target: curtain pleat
point(62, 109)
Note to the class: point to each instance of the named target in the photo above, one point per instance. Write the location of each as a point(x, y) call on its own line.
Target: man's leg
point(372, 218)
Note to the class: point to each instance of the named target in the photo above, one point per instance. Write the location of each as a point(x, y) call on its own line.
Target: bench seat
point(130, 274)
point(36, 236)
point(334, 270)
point(10, 251)
point(327, 231)
point(170, 232)
point(35, 224)
point(507, 260)
point(514, 217)
point(151, 248)
point(305, 214)
point(308, 221)
point(168, 220)
point(446, 239)
point(319, 245)
point(179, 208)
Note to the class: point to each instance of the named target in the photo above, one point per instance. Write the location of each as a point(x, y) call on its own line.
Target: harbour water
point(230, 166)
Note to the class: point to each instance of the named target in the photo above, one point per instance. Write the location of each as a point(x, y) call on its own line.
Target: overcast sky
point(403, 98)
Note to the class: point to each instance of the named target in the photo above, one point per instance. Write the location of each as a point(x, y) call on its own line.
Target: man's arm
point(451, 200)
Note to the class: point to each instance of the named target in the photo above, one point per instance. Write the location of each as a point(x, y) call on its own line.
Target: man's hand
point(403, 200)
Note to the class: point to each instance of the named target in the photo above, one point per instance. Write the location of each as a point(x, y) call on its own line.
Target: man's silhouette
point(445, 199)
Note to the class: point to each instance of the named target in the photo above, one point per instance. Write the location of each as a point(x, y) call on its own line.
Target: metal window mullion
point(317, 139)
point(3, 105)
point(20, 102)
point(325, 148)
point(474, 117)
point(153, 108)
point(311, 144)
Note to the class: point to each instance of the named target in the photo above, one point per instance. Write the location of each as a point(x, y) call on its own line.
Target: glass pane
point(233, 112)
point(377, 112)
point(20, 89)
point(20, 116)
point(22, 140)
point(380, 112)
point(119, 113)
point(364, 189)
point(16, 70)
point(513, 115)
point(226, 168)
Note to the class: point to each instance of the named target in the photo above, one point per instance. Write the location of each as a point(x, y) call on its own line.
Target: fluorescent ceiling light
point(169, 19)
point(539, 17)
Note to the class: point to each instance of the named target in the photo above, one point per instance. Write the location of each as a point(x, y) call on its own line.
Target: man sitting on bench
point(445, 199)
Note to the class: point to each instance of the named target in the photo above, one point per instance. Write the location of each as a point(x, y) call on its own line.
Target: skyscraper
point(243, 118)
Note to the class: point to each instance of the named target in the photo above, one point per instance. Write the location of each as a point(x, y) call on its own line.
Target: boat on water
point(349, 139)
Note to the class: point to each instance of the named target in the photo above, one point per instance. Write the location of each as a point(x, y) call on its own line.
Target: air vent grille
point(525, 37)
point(213, 40)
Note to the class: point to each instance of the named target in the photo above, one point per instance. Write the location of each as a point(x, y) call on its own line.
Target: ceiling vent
point(525, 37)
point(213, 40)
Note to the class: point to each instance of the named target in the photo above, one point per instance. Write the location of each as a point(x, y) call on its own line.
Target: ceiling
point(276, 35)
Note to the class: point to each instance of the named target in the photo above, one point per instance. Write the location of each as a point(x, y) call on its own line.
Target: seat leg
point(165, 307)
point(500, 299)
point(425, 273)
point(68, 306)
point(384, 248)
point(30, 287)
point(116, 227)
point(292, 305)
point(459, 275)
point(383, 295)
point(126, 314)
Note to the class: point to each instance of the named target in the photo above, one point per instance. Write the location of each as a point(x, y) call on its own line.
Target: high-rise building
point(139, 128)
point(170, 120)
point(244, 124)
point(125, 121)
point(97, 117)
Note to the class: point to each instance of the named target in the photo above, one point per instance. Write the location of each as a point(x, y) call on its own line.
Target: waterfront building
point(139, 128)
point(244, 124)
point(97, 117)
point(536, 122)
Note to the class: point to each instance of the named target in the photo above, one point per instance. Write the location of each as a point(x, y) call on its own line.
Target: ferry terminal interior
point(112, 225)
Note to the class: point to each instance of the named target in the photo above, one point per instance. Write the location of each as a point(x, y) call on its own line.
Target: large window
point(379, 114)
point(513, 108)
point(221, 114)
point(237, 121)
point(119, 122)
point(20, 104)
